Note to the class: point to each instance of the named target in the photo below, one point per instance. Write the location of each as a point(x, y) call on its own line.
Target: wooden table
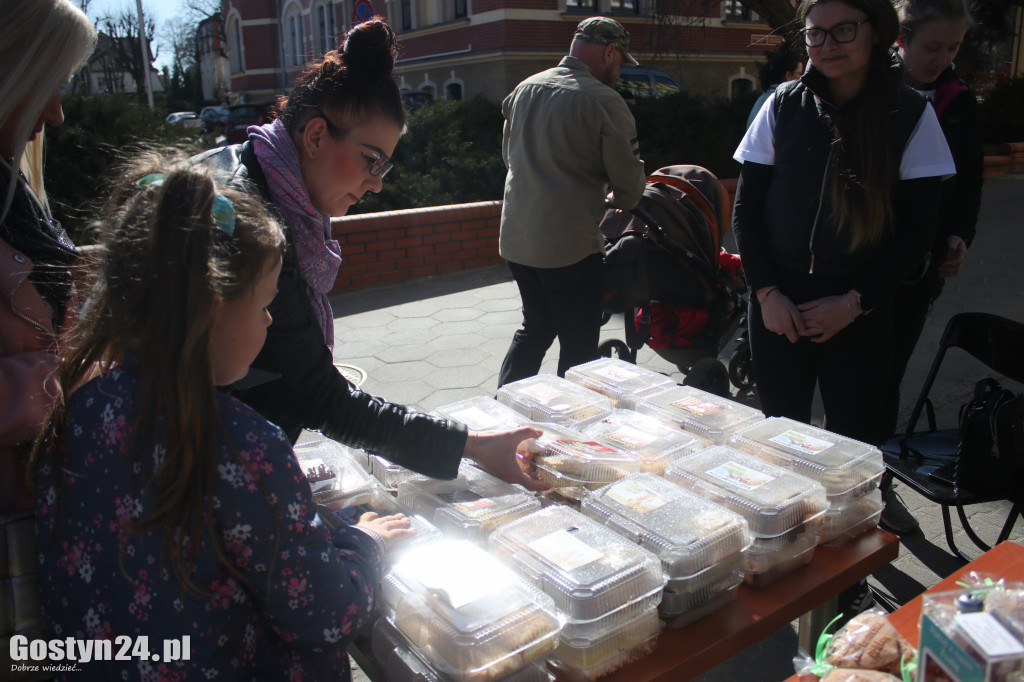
point(757, 613)
point(1005, 559)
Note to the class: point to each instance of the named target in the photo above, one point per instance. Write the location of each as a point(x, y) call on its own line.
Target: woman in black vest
point(836, 204)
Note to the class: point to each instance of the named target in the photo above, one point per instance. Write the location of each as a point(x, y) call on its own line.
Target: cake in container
point(334, 474)
point(704, 414)
point(622, 382)
point(857, 516)
point(569, 460)
point(549, 398)
point(583, 657)
point(653, 443)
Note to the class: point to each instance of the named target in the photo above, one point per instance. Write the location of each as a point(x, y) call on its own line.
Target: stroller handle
point(639, 212)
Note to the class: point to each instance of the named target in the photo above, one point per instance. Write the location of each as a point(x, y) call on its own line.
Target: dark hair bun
point(370, 49)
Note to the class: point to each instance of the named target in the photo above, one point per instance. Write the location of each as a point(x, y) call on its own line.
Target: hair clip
point(151, 180)
point(223, 213)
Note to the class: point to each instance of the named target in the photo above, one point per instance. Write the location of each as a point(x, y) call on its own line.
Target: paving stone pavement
point(433, 342)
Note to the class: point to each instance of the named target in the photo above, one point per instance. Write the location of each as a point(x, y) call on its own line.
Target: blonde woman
point(42, 43)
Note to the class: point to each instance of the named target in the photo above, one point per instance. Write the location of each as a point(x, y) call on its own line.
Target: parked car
point(241, 116)
point(213, 118)
point(414, 99)
point(640, 81)
point(185, 118)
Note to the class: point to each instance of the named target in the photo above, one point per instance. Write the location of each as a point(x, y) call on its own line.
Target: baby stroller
point(679, 292)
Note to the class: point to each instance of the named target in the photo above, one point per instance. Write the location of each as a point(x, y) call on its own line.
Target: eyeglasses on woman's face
point(379, 162)
point(843, 32)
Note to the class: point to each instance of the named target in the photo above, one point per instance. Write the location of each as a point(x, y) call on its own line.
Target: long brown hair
point(862, 165)
point(164, 262)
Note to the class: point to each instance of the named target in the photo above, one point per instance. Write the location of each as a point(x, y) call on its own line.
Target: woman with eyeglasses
point(836, 204)
point(330, 144)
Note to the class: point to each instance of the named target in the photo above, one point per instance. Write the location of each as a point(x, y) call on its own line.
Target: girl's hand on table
point(390, 528)
point(826, 317)
point(495, 452)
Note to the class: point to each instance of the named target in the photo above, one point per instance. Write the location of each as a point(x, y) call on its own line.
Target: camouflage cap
point(606, 31)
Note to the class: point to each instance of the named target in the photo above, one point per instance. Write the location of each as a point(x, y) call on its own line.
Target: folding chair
point(919, 460)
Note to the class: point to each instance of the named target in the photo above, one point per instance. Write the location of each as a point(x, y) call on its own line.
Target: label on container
point(615, 373)
point(469, 503)
point(455, 585)
point(475, 418)
point(586, 448)
point(545, 393)
point(988, 634)
point(632, 438)
point(565, 550)
point(696, 406)
point(801, 443)
point(740, 476)
point(635, 496)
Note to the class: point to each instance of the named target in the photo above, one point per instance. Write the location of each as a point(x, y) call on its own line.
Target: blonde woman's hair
point(42, 44)
point(916, 13)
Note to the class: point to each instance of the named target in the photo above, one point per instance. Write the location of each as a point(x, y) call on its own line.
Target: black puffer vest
point(802, 233)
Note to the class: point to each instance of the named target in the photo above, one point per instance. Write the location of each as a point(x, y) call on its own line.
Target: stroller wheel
point(710, 375)
point(614, 348)
point(741, 367)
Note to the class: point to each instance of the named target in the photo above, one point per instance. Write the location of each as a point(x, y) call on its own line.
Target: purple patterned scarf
point(318, 256)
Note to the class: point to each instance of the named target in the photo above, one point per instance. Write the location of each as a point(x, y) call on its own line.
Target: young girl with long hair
point(330, 145)
point(835, 206)
point(931, 32)
point(165, 507)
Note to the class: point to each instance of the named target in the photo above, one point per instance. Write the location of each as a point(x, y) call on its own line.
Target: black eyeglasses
point(380, 163)
point(843, 32)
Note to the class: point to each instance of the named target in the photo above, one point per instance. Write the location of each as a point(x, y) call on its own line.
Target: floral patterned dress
point(306, 592)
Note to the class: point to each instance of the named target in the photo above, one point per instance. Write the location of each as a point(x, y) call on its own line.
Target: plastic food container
point(846, 467)
point(767, 561)
point(385, 505)
point(571, 462)
point(622, 382)
point(653, 443)
point(398, 660)
point(388, 474)
point(689, 534)
point(548, 398)
point(681, 597)
point(468, 507)
point(588, 570)
point(481, 413)
point(582, 657)
point(335, 476)
point(720, 599)
point(469, 615)
point(774, 500)
point(704, 414)
point(857, 516)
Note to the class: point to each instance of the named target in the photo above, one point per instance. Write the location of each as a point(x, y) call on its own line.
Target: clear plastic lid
point(566, 458)
point(840, 464)
point(389, 474)
point(334, 474)
point(385, 504)
point(623, 382)
point(707, 415)
point(468, 614)
point(840, 521)
point(468, 507)
point(481, 413)
point(589, 570)
point(688, 533)
point(772, 499)
point(548, 398)
point(654, 443)
point(398, 660)
point(581, 657)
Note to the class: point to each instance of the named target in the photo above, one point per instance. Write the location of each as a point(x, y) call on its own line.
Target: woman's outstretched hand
point(779, 314)
point(495, 452)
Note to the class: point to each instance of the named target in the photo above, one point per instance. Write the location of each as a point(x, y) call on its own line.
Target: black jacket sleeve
point(962, 193)
point(748, 224)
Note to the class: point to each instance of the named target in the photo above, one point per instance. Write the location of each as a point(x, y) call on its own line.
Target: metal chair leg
point(1004, 534)
point(970, 531)
point(948, 526)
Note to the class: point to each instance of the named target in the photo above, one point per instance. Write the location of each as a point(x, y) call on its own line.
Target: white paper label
point(475, 418)
point(635, 496)
point(989, 635)
point(801, 443)
point(565, 550)
point(739, 476)
point(632, 438)
point(470, 503)
point(455, 585)
point(696, 406)
point(615, 373)
point(545, 393)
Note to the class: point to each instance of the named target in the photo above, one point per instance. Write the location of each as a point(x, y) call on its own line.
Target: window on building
point(734, 10)
point(326, 32)
point(235, 45)
point(625, 6)
point(294, 40)
point(453, 91)
point(740, 86)
point(581, 4)
point(460, 8)
point(406, 15)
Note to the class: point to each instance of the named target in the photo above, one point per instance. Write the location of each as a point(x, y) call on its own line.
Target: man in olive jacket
point(568, 138)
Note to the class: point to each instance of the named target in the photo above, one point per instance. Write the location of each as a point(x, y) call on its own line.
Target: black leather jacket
point(293, 381)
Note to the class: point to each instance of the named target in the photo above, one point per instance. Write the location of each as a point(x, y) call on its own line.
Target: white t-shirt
point(925, 156)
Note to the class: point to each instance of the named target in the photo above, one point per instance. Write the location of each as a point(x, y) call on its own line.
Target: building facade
point(456, 49)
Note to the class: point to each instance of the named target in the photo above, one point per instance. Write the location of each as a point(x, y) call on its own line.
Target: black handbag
point(990, 455)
